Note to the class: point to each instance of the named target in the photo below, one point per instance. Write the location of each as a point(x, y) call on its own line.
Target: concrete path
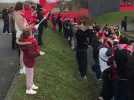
point(8, 63)
point(131, 27)
point(130, 32)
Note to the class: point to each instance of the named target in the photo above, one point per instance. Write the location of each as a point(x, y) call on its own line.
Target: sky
point(9, 1)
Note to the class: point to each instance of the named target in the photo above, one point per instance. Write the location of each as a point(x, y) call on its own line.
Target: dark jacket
point(131, 76)
point(81, 37)
point(5, 16)
point(121, 59)
point(130, 65)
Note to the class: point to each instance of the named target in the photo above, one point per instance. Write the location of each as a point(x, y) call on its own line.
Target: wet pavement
point(8, 63)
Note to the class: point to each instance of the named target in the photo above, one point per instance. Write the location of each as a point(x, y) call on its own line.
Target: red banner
point(42, 2)
point(48, 5)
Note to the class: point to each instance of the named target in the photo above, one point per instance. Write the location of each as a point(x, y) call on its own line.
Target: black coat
point(131, 76)
point(91, 36)
point(121, 59)
point(5, 16)
point(130, 66)
point(81, 37)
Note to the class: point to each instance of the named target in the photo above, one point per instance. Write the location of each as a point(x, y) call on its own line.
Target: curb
point(10, 91)
point(129, 37)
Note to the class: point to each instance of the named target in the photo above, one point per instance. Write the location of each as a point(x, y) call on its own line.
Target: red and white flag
point(48, 5)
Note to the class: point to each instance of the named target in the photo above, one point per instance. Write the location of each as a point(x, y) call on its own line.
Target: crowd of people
point(113, 54)
point(127, 2)
point(26, 23)
point(33, 14)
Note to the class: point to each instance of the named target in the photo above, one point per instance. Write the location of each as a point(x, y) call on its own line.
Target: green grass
point(114, 18)
point(56, 75)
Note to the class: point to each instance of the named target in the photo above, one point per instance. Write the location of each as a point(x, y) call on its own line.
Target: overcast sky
point(10, 1)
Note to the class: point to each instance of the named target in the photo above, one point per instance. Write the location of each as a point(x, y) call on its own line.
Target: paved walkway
point(130, 32)
point(131, 27)
point(8, 63)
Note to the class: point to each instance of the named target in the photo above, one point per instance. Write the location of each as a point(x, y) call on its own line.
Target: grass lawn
point(56, 75)
point(114, 18)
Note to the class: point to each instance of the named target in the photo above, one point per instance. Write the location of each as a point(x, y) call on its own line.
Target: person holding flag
point(41, 25)
point(20, 25)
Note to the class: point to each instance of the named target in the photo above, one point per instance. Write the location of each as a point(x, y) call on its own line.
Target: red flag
point(27, 12)
point(48, 5)
point(42, 2)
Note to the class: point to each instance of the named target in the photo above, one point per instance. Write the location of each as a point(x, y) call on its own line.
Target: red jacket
point(30, 51)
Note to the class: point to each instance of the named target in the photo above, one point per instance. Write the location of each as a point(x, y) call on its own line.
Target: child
point(31, 51)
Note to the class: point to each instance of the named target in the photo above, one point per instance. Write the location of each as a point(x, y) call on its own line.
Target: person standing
point(20, 25)
point(81, 50)
point(107, 93)
point(5, 16)
point(30, 51)
point(121, 59)
point(12, 27)
point(54, 22)
point(41, 27)
point(65, 25)
point(130, 71)
point(69, 32)
point(124, 24)
point(59, 22)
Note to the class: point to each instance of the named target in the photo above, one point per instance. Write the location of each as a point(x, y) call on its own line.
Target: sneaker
point(100, 79)
point(42, 53)
point(31, 92)
point(35, 87)
point(22, 71)
point(85, 77)
point(100, 98)
point(10, 33)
